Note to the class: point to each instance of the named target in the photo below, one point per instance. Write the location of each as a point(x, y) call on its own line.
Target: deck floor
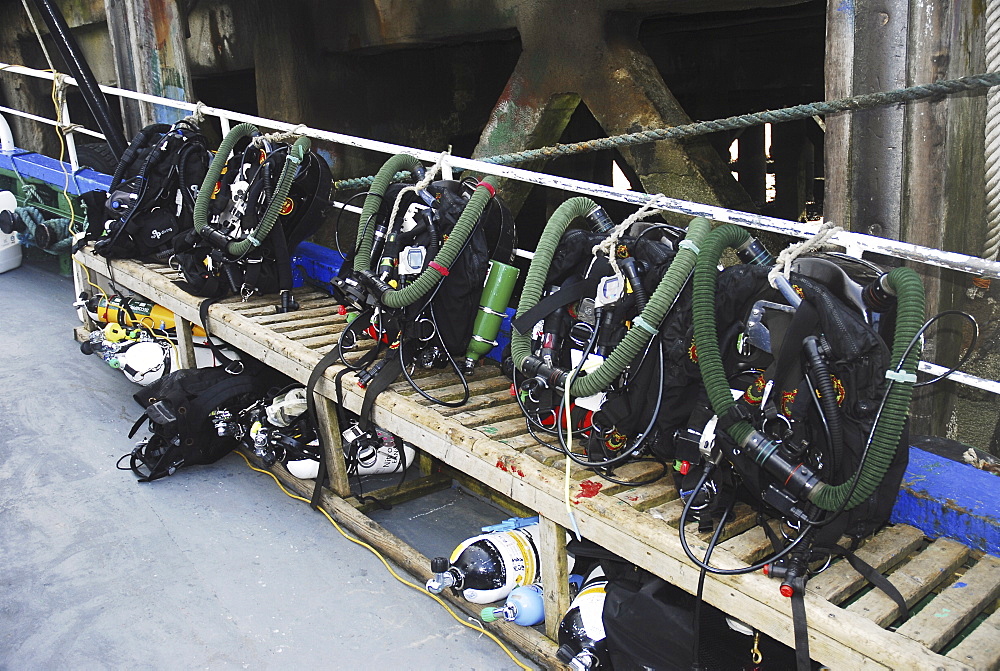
point(211, 568)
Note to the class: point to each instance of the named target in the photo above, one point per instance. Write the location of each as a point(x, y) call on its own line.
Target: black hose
point(827, 399)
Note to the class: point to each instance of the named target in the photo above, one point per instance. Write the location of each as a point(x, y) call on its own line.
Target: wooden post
point(148, 42)
point(839, 76)
point(877, 139)
point(329, 428)
point(751, 164)
point(185, 344)
point(555, 573)
point(944, 204)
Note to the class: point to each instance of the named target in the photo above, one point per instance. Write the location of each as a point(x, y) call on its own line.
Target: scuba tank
point(492, 310)
point(524, 606)
point(107, 309)
point(374, 452)
point(488, 567)
point(581, 641)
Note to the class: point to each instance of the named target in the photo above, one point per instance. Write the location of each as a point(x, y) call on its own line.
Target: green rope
point(854, 104)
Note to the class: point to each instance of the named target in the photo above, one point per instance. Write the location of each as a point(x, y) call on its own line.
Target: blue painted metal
point(46, 169)
point(946, 498)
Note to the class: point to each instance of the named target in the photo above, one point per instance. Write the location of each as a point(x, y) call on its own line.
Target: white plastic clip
point(644, 325)
point(900, 376)
point(689, 245)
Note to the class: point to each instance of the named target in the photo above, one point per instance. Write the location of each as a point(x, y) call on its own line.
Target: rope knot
point(783, 264)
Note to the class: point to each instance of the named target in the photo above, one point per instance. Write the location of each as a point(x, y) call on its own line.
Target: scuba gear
point(418, 247)
point(582, 644)
point(180, 409)
point(142, 357)
point(152, 194)
point(251, 211)
point(488, 567)
point(524, 606)
point(274, 427)
point(595, 326)
point(129, 311)
point(377, 454)
point(819, 435)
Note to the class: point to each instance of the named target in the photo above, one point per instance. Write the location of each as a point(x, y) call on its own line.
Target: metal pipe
point(78, 67)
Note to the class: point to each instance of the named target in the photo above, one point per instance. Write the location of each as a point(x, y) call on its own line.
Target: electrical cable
point(968, 350)
point(388, 567)
point(701, 583)
point(709, 469)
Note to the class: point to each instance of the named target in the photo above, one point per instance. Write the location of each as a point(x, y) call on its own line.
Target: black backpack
point(152, 194)
point(568, 313)
point(434, 331)
point(245, 191)
point(179, 409)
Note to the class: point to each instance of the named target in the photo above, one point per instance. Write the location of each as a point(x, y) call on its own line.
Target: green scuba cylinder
point(492, 310)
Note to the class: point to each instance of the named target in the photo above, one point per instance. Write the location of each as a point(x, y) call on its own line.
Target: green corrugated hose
point(910, 316)
point(645, 325)
point(296, 153)
point(466, 224)
point(365, 241)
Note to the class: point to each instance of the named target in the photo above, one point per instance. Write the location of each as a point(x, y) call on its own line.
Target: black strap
point(232, 366)
point(872, 575)
point(386, 375)
point(573, 290)
point(801, 627)
point(315, 376)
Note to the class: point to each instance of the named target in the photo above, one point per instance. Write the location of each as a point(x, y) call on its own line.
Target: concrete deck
point(211, 568)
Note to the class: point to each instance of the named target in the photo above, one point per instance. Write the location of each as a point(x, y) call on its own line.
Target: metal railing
point(856, 244)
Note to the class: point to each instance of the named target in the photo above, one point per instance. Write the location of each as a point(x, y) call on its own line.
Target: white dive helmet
point(144, 362)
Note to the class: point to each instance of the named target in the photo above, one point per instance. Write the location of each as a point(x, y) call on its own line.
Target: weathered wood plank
point(316, 308)
point(981, 649)
point(644, 498)
point(752, 545)
point(480, 401)
point(944, 617)
point(890, 546)
point(914, 580)
point(555, 574)
point(489, 415)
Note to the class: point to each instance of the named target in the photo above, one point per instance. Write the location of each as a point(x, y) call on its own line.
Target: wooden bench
point(952, 589)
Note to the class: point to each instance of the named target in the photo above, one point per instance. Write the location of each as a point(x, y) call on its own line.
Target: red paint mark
point(633, 498)
point(588, 488)
point(509, 469)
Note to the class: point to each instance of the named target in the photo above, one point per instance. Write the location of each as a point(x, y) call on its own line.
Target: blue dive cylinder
point(524, 606)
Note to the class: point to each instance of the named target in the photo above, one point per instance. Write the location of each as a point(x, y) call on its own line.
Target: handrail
point(855, 243)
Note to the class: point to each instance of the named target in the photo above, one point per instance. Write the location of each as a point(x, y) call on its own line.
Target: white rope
point(38, 34)
point(991, 246)
point(783, 265)
point(280, 136)
point(198, 115)
point(429, 177)
point(610, 243)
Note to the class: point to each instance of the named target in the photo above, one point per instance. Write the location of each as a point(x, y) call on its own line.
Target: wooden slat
point(956, 606)
point(334, 324)
point(914, 580)
point(490, 415)
point(891, 546)
point(981, 649)
point(555, 573)
point(297, 332)
point(752, 545)
point(305, 311)
point(479, 401)
point(503, 429)
point(644, 498)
